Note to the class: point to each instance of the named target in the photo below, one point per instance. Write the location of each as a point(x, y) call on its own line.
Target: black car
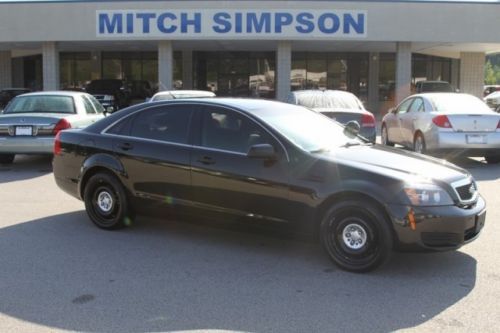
point(113, 94)
point(270, 163)
point(6, 95)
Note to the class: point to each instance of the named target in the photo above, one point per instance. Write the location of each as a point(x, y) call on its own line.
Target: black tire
point(385, 137)
point(335, 229)
point(419, 144)
point(492, 159)
point(7, 158)
point(103, 187)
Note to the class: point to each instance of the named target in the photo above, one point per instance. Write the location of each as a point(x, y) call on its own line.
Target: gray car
point(31, 121)
point(459, 124)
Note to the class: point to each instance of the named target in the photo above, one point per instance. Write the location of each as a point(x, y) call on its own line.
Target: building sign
point(271, 24)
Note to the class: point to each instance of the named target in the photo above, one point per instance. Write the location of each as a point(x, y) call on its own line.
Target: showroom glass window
point(75, 71)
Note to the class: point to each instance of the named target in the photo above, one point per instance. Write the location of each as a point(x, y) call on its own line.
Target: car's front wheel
point(356, 236)
point(7, 158)
point(385, 137)
point(106, 202)
point(419, 144)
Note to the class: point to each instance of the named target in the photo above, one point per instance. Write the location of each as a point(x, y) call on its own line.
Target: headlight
point(427, 195)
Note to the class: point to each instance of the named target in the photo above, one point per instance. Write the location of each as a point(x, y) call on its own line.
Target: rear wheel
point(419, 144)
point(7, 158)
point(492, 159)
point(356, 236)
point(106, 202)
point(385, 137)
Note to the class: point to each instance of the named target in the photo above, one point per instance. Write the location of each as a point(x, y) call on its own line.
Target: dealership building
point(265, 49)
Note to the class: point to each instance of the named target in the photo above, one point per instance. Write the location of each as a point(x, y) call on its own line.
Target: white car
point(459, 124)
point(180, 94)
point(493, 100)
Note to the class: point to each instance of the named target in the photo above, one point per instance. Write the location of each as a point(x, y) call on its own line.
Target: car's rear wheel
point(7, 158)
point(356, 236)
point(419, 144)
point(492, 159)
point(106, 202)
point(385, 137)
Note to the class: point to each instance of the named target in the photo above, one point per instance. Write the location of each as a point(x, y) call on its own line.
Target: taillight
point(367, 120)
point(442, 121)
point(57, 144)
point(61, 125)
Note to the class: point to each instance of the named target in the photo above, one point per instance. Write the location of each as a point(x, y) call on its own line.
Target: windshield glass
point(328, 100)
point(307, 129)
point(458, 103)
point(40, 103)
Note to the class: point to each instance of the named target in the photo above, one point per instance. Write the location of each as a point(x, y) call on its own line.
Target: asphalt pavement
point(60, 273)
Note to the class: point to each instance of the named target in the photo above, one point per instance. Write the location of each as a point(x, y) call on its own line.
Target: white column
point(50, 66)
point(283, 69)
point(472, 73)
point(455, 73)
point(5, 69)
point(187, 69)
point(165, 65)
point(373, 77)
point(403, 70)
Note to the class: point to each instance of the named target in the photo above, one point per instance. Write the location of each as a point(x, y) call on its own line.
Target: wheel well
point(350, 196)
point(418, 132)
point(90, 172)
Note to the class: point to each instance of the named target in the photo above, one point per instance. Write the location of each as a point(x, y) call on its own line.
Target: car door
point(394, 130)
point(409, 119)
point(225, 180)
point(153, 147)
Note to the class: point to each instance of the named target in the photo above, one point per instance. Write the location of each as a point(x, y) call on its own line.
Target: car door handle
point(125, 146)
point(207, 160)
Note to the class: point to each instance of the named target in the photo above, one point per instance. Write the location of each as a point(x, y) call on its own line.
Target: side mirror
point(262, 151)
point(392, 110)
point(352, 129)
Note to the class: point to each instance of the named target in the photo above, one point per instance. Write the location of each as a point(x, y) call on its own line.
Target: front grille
point(466, 192)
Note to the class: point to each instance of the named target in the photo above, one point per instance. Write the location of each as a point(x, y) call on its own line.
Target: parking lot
point(59, 272)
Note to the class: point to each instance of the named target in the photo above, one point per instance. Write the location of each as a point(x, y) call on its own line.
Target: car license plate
point(476, 139)
point(24, 131)
point(480, 219)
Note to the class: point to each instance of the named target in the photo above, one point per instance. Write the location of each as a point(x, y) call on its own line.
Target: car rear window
point(456, 103)
point(41, 104)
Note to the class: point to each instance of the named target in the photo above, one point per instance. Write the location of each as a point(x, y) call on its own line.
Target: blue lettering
point(334, 25)
point(161, 23)
point(110, 26)
point(358, 26)
point(238, 26)
point(257, 24)
point(146, 19)
point(305, 25)
point(282, 19)
point(130, 23)
point(224, 25)
point(196, 22)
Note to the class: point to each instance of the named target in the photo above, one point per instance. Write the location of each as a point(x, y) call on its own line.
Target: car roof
point(56, 93)
point(184, 92)
point(244, 104)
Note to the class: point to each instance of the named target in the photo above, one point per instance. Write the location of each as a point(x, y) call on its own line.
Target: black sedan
point(272, 163)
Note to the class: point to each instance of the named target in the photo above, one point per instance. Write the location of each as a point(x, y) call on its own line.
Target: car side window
point(165, 123)
point(89, 108)
point(228, 130)
point(97, 106)
point(417, 106)
point(403, 108)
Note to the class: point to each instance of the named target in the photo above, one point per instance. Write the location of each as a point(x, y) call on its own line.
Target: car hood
point(396, 163)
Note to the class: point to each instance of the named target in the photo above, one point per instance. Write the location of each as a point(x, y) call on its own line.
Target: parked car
point(444, 122)
point(270, 163)
point(180, 94)
point(493, 101)
point(141, 89)
point(30, 122)
point(433, 86)
point(338, 105)
point(489, 89)
point(6, 95)
point(112, 94)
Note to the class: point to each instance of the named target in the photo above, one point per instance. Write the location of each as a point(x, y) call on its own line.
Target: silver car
point(30, 122)
point(180, 94)
point(459, 124)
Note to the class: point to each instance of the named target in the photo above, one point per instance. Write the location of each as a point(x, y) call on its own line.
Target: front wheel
point(419, 144)
point(356, 236)
point(7, 158)
point(106, 202)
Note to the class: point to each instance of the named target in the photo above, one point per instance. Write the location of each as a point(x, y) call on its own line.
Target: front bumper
point(438, 228)
point(27, 145)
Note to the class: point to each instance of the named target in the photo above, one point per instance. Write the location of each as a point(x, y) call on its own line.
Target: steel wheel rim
point(354, 236)
point(105, 201)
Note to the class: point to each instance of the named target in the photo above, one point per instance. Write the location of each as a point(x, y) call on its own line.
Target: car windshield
point(458, 103)
point(307, 129)
point(329, 100)
point(41, 103)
